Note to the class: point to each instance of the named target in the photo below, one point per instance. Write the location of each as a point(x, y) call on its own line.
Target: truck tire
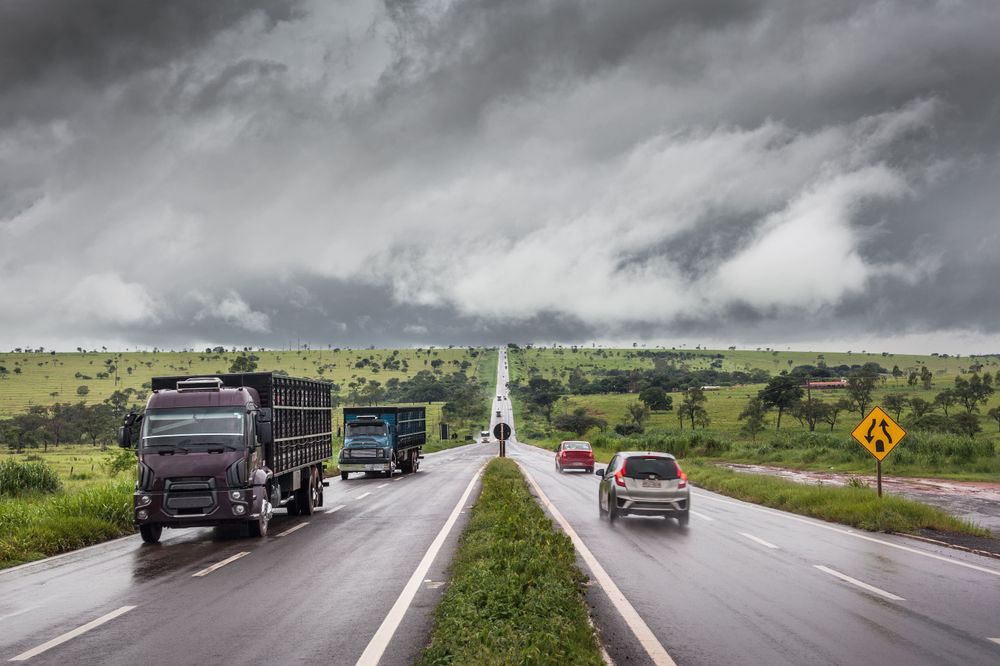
point(151, 532)
point(258, 528)
point(407, 465)
point(343, 476)
point(293, 505)
point(305, 498)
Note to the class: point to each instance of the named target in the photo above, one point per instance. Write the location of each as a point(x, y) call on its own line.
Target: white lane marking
point(219, 565)
point(653, 648)
point(703, 516)
point(69, 635)
point(363, 496)
point(376, 647)
point(759, 540)
point(382, 486)
point(995, 640)
point(855, 581)
point(291, 529)
point(852, 533)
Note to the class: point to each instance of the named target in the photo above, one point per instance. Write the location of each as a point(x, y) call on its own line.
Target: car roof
point(661, 454)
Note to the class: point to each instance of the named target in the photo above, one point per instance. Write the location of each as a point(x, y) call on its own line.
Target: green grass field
point(923, 454)
point(45, 378)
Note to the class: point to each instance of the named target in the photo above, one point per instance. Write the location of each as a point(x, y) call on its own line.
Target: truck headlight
point(239, 509)
point(236, 495)
point(142, 514)
point(144, 500)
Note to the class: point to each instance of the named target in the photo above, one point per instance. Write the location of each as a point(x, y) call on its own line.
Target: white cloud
point(232, 309)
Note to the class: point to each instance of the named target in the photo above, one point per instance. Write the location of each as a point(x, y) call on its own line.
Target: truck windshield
point(201, 427)
point(355, 429)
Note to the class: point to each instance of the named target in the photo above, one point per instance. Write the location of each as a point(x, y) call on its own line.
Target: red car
point(574, 455)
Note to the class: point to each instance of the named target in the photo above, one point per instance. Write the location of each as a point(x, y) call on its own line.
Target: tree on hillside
point(926, 377)
point(860, 387)
point(971, 392)
point(919, 407)
point(945, 399)
point(693, 408)
point(781, 392)
point(579, 421)
point(656, 399)
point(895, 403)
point(541, 395)
point(809, 412)
point(638, 412)
point(833, 409)
point(995, 415)
point(244, 363)
point(754, 416)
point(966, 424)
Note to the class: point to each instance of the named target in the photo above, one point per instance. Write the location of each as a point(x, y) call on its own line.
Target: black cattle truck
point(228, 449)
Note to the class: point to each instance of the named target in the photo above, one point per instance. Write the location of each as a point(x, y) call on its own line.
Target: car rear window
point(576, 446)
point(641, 468)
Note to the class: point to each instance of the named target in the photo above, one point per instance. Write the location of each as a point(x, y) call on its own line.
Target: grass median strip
point(516, 594)
point(856, 506)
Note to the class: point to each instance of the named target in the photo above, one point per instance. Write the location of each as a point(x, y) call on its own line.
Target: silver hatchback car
point(643, 483)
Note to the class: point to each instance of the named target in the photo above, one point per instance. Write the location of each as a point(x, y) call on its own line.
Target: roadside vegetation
point(516, 594)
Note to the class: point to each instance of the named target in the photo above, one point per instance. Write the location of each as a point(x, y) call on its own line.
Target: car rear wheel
point(612, 507)
point(151, 532)
point(683, 519)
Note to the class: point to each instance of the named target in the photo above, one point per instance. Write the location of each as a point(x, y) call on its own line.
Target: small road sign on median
point(501, 431)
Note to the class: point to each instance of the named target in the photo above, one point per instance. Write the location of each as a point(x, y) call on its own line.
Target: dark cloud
point(364, 173)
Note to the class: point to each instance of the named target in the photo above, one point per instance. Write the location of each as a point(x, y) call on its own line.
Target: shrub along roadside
point(33, 528)
point(24, 477)
point(856, 506)
point(516, 594)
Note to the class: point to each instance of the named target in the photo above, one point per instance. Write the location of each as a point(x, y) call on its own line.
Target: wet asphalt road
point(316, 595)
point(740, 585)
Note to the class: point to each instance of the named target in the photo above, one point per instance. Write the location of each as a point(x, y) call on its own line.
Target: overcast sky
point(804, 174)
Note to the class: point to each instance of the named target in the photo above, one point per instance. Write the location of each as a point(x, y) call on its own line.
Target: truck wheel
point(258, 528)
point(293, 505)
point(343, 476)
point(305, 499)
point(151, 532)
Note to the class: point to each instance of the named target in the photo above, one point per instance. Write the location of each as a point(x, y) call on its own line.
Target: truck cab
point(201, 458)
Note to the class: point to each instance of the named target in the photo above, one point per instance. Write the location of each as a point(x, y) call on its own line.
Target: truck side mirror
point(125, 437)
point(265, 431)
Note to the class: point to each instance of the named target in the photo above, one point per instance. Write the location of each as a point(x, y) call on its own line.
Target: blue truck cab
point(380, 440)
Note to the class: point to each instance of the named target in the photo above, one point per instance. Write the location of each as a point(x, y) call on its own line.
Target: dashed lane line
point(657, 653)
point(291, 529)
point(363, 495)
point(851, 533)
point(854, 581)
point(376, 647)
point(69, 635)
point(381, 486)
point(219, 565)
point(759, 540)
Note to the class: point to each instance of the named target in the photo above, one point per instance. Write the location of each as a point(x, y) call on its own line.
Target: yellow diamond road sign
point(878, 433)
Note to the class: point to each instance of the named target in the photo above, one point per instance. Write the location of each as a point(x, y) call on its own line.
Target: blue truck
point(380, 440)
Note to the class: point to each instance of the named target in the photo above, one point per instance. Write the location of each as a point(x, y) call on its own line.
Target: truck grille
point(187, 496)
point(363, 453)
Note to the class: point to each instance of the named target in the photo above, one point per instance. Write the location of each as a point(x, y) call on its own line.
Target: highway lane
point(742, 584)
point(317, 588)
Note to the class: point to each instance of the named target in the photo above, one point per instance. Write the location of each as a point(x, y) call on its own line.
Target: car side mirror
point(600, 472)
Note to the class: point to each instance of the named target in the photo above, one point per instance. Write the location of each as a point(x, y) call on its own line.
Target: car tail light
point(620, 475)
point(683, 478)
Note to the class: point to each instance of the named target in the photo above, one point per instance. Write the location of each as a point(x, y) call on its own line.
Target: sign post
point(502, 432)
point(879, 434)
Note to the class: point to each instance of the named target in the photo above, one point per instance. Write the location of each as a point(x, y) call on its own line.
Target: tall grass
point(34, 528)
point(30, 476)
point(516, 596)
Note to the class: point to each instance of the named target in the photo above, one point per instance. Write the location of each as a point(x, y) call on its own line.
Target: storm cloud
point(785, 173)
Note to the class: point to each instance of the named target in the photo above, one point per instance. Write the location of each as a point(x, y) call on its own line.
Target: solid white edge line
point(759, 540)
point(363, 495)
point(219, 565)
point(995, 640)
point(380, 641)
point(816, 523)
point(702, 516)
point(855, 581)
point(642, 632)
point(69, 635)
point(290, 530)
